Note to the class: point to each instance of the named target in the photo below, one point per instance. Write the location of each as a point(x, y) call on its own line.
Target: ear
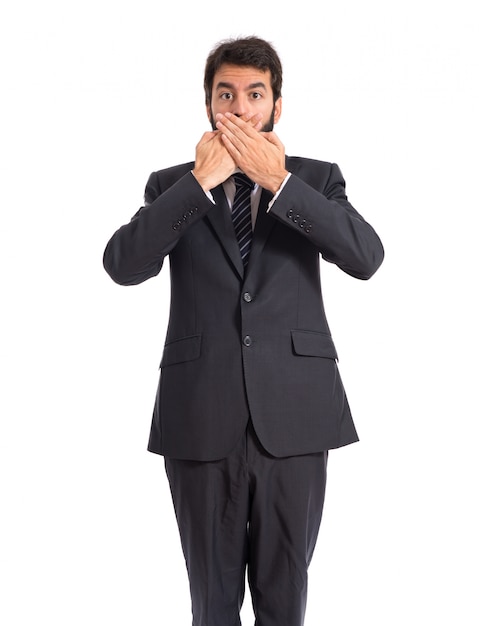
point(278, 107)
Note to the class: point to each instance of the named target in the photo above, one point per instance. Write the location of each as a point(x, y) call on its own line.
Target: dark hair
point(246, 51)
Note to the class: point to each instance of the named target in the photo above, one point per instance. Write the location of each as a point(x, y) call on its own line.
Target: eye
point(256, 95)
point(226, 96)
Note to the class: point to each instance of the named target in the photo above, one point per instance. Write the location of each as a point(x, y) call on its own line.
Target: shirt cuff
point(273, 199)
point(208, 194)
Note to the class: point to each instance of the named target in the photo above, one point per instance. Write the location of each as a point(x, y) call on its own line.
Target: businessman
point(250, 399)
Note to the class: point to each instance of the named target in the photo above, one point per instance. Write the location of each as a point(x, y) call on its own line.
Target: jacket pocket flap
point(181, 350)
point(310, 343)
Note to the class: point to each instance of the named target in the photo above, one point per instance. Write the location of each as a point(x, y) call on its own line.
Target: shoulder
point(168, 176)
point(161, 180)
point(298, 162)
point(312, 171)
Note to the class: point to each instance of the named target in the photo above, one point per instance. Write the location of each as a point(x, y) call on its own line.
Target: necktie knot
point(241, 180)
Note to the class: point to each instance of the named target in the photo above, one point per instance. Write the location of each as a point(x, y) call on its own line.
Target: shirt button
point(247, 341)
point(247, 297)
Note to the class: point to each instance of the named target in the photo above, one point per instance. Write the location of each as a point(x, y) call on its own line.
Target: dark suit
point(247, 347)
point(257, 345)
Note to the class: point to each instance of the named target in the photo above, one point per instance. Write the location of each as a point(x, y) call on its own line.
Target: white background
point(95, 96)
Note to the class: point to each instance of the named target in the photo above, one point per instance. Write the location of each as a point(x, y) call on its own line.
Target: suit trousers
point(248, 512)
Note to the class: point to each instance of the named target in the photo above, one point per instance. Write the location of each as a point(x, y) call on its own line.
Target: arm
point(330, 223)
point(136, 250)
point(320, 211)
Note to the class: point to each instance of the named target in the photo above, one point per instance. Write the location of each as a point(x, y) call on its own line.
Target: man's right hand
point(213, 164)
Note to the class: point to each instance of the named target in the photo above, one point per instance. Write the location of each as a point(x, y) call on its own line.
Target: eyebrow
point(223, 85)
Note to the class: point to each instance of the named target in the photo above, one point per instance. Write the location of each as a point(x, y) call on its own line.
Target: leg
point(287, 497)
point(211, 505)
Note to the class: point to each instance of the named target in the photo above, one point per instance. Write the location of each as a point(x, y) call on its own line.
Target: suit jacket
point(252, 344)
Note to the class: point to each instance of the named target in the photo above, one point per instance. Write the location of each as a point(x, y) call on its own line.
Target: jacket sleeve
point(136, 251)
point(327, 219)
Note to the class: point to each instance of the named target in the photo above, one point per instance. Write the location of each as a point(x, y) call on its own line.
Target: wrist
point(275, 182)
point(202, 181)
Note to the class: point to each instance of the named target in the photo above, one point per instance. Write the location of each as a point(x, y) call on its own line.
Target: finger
point(234, 148)
point(254, 119)
point(207, 136)
point(229, 143)
point(232, 132)
point(257, 121)
point(236, 125)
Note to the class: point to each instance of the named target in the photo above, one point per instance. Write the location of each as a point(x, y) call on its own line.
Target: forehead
point(240, 76)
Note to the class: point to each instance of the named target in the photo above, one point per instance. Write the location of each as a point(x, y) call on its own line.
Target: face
point(240, 90)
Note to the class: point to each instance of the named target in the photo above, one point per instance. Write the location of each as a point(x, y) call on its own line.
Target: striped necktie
point(241, 214)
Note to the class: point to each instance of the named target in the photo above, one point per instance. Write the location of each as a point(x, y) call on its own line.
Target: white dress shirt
point(229, 188)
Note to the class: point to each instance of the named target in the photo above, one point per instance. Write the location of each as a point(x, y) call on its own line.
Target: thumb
point(207, 136)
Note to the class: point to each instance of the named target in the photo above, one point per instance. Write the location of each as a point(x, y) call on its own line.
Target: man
point(250, 399)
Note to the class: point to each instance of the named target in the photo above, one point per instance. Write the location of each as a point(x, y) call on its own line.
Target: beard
point(267, 128)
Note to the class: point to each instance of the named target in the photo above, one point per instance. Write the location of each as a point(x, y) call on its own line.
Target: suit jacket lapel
point(264, 222)
point(220, 219)
point(263, 227)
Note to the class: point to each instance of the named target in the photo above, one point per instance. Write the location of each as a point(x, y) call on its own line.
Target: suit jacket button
point(247, 297)
point(247, 341)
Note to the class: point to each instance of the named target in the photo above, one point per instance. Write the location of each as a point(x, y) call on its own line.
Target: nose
point(240, 106)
